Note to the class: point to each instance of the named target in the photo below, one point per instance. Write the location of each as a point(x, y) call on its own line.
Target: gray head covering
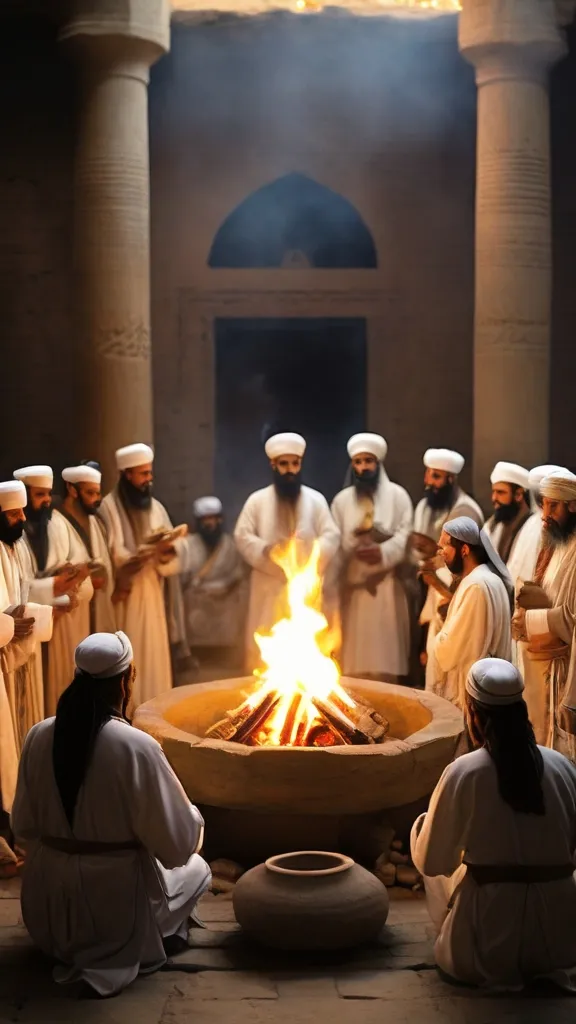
point(103, 655)
point(466, 530)
point(493, 681)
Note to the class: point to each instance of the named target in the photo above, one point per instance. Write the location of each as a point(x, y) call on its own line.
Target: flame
point(297, 652)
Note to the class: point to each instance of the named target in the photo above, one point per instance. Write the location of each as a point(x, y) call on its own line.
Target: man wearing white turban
point(272, 516)
point(443, 499)
point(80, 509)
point(478, 618)
point(213, 586)
point(496, 847)
point(148, 607)
point(547, 616)
point(112, 868)
point(514, 529)
point(374, 516)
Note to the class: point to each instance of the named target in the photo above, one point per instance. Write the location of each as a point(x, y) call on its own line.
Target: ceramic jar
point(310, 900)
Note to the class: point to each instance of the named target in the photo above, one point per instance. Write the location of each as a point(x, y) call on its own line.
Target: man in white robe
point(213, 585)
point(53, 547)
point(514, 529)
point(374, 517)
point(478, 618)
point(496, 847)
point(270, 518)
point(80, 509)
point(131, 515)
point(112, 868)
point(546, 615)
point(443, 500)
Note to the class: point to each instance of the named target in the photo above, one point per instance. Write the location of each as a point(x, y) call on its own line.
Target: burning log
point(322, 736)
point(341, 722)
point(245, 720)
point(290, 720)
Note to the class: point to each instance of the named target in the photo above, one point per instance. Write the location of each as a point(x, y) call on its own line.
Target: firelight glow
point(375, 8)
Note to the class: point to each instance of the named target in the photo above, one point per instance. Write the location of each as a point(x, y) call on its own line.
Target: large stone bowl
point(340, 781)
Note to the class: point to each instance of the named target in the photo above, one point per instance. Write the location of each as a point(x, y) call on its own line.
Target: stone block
point(10, 913)
point(228, 985)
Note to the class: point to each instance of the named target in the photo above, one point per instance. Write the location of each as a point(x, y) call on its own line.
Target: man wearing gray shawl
point(478, 619)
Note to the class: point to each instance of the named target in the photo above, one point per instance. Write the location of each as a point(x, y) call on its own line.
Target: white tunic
point(524, 552)
point(259, 526)
point(102, 611)
point(142, 616)
point(477, 626)
point(8, 745)
point(214, 592)
point(499, 935)
point(103, 917)
point(376, 629)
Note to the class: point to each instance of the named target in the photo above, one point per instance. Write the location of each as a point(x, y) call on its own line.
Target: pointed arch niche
point(294, 222)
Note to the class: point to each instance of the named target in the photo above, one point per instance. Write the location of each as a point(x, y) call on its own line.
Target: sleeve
point(469, 511)
point(559, 621)
point(327, 532)
point(457, 643)
point(438, 839)
point(394, 551)
point(249, 544)
point(22, 819)
point(42, 591)
point(6, 629)
point(165, 821)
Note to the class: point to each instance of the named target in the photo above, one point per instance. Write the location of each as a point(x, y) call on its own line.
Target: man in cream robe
point(546, 616)
point(271, 517)
point(8, 748)
point(444, 500)
point(499, 881)
point(478, 619)
point(52, 546)
point(131, 515)
point(80, 509)
point(374, 517)
point(514, 529)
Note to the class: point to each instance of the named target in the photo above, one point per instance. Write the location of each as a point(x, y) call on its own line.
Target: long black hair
point(507, 734)
point(83, 710)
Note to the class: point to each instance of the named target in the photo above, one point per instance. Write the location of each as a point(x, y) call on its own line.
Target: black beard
point(440, 498)
point(89, 510)
point(39, 516)
point(136, 497)
point(287, 485)
point(210, 535)
point(9, 534)
point(560, 535)
point(457, 566)
point(366, 482)
point(506, 513)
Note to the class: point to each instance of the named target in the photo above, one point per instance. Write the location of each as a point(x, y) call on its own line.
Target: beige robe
point(8, 745)
point(477, 626)
point(102, 611)
point(499, 935)
point(375, 629)
point(524, 553)
point(104, 917)
point(214, 592)
point(262, 524)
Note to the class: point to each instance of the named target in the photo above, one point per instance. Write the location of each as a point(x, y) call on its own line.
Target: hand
point(165, 551)
point(67, 580)
point(432, 564)
point(23, 628)
point(532, 596)
point(371, 556)
point(99, 576)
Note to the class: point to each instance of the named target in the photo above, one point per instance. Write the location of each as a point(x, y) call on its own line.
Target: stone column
point(115, 43)
point(512, 45)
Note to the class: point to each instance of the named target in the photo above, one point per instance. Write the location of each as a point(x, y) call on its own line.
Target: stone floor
point(223, 979)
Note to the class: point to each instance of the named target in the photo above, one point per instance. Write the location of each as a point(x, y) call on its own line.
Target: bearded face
point(559, 519)
point(507, 500)
point(210, 529)
point(136, 493)
point(365, 474)
point(88, 496)
point(11, 527)
point(287, 477)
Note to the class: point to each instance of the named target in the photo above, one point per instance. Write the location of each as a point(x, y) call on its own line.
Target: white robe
point(524, 552)
point(102, 611)
point(477, 626)
point(142, 616)
point(376, 629)
point(8, 745)
point(499, 935)
point(72, 627)
point(259, 526)
point(214, 592)
point(103, 917)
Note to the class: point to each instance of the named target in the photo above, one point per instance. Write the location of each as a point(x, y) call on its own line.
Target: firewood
point(341, 722)
point(323, 736)
point(230, 727)
point(365, 717)
point(290, 720)
point(259, 715)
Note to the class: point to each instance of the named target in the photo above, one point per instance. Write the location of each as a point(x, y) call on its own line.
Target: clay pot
point(310, 900)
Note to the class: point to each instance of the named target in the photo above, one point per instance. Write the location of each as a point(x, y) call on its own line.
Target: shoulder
point(466, 506)
point(421, 506)
point(315, 496)
point(556, 763)
point(344, 495)
point(400, 493)
point(257, 498)
point(59, 523)
point(475, 763)
point(123, 736)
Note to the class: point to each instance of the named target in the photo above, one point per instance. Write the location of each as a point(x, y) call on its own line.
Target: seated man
point(502, 824)
point(112, 867)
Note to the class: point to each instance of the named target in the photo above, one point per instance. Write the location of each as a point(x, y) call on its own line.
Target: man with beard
point(513, 528)
point(131, 515)
point(272, 516)
point(54, 547)
point(80, 509)
point(375, 519)
point(478, 619)
point(212, 577)
point(443, 499)
point(548, 608)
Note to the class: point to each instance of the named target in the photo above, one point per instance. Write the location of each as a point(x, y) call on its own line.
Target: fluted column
point(512, 44)
point(115, 43)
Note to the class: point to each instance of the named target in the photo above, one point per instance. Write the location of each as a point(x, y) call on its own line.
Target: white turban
point(536, 475)
point(466, 530)
point(12, 495)
point(368, 444)
point(510, 473)
point(285, 444)
point(207, 507)
point(444, 459)
point(559, 486)
point(103, 655)
point(493, 681)
point(35, 476)
point(81, 475)
point(134, 455)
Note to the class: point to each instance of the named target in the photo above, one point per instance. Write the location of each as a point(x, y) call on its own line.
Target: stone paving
point(224, 979)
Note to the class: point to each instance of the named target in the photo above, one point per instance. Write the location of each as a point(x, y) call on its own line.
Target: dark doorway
point(288, 374)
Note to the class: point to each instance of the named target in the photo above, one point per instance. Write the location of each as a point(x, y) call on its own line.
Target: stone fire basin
point(309, 781)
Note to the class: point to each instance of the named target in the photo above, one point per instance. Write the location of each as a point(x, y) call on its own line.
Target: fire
point(297, 652)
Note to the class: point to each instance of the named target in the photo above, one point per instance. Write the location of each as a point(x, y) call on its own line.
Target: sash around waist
point(519, 874)
point(79, 847)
